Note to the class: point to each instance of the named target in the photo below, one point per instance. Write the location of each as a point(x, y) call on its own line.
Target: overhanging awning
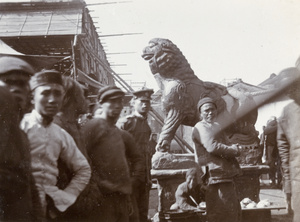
point(5, 49)
point(37, 61)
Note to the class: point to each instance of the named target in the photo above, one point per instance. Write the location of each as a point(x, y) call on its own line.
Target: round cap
point(10, 63)
point(45, 77)
point(205, 100)
point(109, 92)
point(144, 94)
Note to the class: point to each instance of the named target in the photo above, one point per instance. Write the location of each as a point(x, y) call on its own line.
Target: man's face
point(208, 112)
point(47, 99)
point(142, 106)
point(112, 108)
point(18, 85)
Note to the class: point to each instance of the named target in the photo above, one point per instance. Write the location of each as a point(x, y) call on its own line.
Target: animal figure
point(182, 90)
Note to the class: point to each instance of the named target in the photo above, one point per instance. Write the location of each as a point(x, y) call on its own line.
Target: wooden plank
point(264, 208)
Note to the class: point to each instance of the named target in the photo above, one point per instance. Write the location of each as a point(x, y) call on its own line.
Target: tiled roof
point(242, 86)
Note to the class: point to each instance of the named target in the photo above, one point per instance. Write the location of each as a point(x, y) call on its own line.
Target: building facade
point(62, 34)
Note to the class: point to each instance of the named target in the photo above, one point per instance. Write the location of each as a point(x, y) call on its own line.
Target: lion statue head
point(166, 59)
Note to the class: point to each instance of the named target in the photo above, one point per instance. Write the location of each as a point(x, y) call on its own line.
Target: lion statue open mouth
point(182, 90)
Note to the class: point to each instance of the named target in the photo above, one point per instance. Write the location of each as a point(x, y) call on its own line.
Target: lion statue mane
point(182, 89)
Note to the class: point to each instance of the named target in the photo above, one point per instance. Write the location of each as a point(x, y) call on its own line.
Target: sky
point(221, 39)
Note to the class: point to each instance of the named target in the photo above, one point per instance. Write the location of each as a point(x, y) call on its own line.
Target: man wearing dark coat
point(15, 74)
point(137, 125)
point(15, 172)
point(110, 150)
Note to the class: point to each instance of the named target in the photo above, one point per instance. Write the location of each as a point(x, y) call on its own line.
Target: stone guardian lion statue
point(182, 90)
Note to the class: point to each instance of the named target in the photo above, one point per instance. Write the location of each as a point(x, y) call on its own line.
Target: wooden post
point(74, 43)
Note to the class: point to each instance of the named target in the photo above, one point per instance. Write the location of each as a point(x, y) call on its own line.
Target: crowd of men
point(53, 169)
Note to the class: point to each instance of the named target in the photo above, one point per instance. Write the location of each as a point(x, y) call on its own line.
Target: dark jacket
point(211, 152)
point(19, 198)
point(134, 157)
point(270, 132)
point(91, 195)
point(139, 128)
point(107, 151)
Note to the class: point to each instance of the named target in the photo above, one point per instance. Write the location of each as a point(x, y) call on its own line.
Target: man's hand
point(163, 146)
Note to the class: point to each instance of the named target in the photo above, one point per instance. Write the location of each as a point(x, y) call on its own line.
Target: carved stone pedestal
point(170, 170)
point(167, 183)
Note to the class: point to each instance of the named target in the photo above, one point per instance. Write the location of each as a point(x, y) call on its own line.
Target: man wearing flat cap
point(110, 149)
point(48, 142)
point(137, 125)
point(15, 74)
point(217, 158)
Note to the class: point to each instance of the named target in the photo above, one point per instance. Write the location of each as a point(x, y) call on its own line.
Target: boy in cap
point(137, 125)
point(218, 159)
point(49, 142)
point(109, 149)
point(190, 193)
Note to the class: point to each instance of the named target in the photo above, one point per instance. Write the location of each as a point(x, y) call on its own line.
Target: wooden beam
point(107, 3)
point(119, 34)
